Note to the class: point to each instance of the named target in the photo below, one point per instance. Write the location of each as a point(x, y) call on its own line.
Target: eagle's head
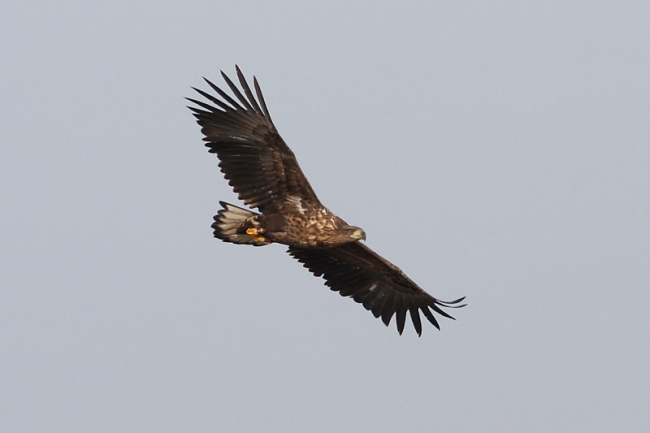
point(340, 236)
point(357, 234)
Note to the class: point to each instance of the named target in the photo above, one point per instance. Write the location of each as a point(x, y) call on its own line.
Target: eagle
point(265, 174)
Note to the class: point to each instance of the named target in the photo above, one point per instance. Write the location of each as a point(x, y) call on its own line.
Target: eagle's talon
point(253, 231)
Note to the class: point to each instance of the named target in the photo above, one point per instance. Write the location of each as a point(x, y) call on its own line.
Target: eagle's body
point(297, 223)
point(265, 173)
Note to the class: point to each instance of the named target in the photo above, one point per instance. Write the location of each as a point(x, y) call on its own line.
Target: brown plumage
point(265, 174)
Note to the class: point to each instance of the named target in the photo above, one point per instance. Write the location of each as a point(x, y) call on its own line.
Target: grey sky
point(498, 150)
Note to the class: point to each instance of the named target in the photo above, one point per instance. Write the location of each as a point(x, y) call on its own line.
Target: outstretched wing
point(257, 162)
point(356, 271)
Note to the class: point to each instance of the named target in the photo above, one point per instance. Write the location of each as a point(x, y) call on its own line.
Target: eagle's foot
point(256, 234)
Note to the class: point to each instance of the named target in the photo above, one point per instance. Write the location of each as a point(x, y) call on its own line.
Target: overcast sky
point(497, 150)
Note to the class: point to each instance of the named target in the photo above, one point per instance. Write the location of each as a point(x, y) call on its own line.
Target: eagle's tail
point(239, 226)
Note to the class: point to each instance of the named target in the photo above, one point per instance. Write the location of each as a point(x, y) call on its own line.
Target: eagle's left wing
point(257, 162)
point(354, 270)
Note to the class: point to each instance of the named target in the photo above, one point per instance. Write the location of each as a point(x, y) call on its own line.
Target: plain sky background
point(498, 150)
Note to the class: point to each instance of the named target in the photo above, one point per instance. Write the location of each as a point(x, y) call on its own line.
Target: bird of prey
point(265, 174)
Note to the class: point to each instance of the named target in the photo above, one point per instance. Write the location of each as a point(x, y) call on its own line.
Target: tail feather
point(231, 222)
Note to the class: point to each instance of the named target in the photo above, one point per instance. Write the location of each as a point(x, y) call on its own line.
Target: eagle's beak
point(359, 235)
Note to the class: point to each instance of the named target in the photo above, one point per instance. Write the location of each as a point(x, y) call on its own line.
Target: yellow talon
point(255, 234)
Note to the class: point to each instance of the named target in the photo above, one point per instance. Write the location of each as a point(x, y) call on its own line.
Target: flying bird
point(265, 174)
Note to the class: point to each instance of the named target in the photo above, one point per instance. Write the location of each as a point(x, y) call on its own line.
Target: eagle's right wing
point(356, 271)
